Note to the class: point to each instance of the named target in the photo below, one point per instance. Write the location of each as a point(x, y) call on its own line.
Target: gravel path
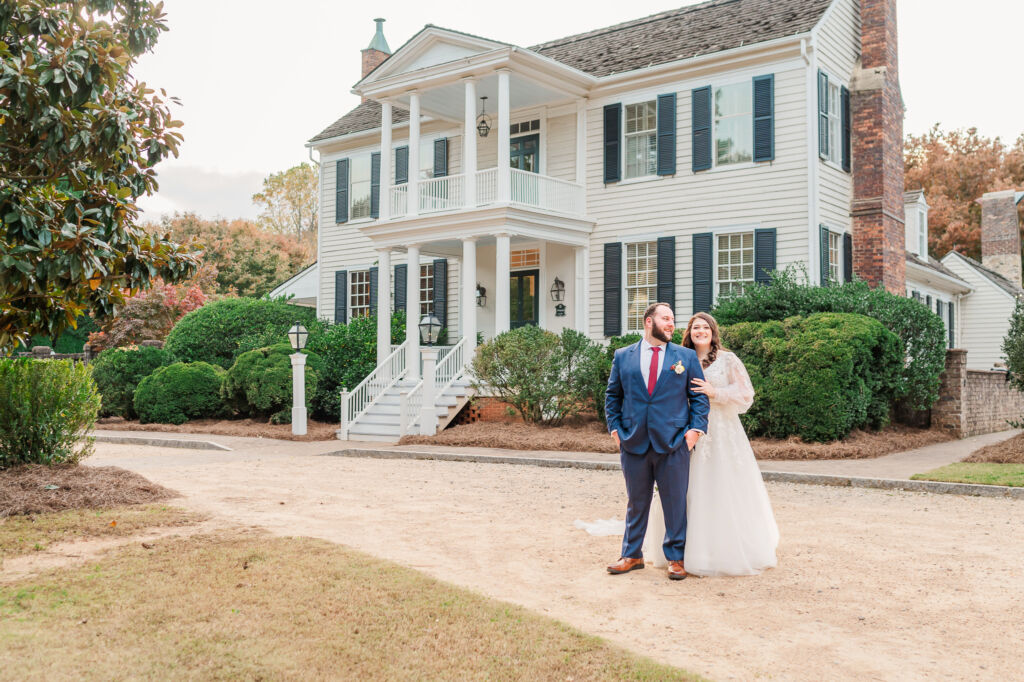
point(871, 584)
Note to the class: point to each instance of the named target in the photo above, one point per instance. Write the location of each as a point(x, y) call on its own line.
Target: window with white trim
point(641, 139)
point(359, 186)
point(835, 145)
point(734, 123)
point(922, 234)
point(834, 255)
point(735, 262)
point(426, 158)
point(641, 282)
point(524, 258)
point(359, 294)
point(427, 289)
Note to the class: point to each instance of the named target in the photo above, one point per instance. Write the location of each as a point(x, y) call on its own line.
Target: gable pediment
point(432, 46)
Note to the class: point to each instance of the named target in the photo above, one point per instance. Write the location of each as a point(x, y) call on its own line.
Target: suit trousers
point(672, 474)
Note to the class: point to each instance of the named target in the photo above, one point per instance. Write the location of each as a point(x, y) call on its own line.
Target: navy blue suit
point(652, 431)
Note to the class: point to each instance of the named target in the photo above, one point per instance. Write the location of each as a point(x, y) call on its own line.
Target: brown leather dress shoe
point(676, 570)
point(625, 565)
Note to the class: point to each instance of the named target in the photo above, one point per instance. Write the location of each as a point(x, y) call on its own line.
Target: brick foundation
point(973, 402)
point(485, 409)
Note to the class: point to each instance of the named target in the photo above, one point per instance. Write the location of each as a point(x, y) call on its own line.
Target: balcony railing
point(525, 189)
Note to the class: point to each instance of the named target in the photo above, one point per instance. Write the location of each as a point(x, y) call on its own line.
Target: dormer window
point(922, 234)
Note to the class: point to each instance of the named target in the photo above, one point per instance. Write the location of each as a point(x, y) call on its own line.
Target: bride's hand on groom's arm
point(703, 386)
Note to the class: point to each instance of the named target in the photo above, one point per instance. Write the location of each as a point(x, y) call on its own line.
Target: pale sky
point(258, 78)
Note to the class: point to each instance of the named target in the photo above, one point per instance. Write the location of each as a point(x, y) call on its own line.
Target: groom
point(655, 418)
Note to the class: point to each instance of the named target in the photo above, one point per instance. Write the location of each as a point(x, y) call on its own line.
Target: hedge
point(117, 373)
point(179, 392)
point(259, 384)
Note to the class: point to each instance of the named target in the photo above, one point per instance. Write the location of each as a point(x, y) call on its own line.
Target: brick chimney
point(879, 255)
point(1000, 233)
point(377, 52)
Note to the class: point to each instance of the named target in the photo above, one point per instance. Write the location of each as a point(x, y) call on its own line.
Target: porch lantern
point(297, 336)
point(483, 122)
point(481, 296)
point(558, 290)
point(430, 329)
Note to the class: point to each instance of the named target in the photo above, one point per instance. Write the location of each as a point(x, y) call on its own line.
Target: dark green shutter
point(823, 238)
point(667, 271)
point(703, 272)
point(401, 165)
point(341, 191)
point(764, 118)
point(700, 124)
point(764, 254)
point(613, 289)
point(848, 257)
point(952, 318)
point(667, 134)
point(612, 136)
point(373, 290)
point(822, 115)
point(441, 292)
point(441, 157)
point(928, 301)
point(400, 286)
point(845, 98)
point(341, 296)
point(375, 185)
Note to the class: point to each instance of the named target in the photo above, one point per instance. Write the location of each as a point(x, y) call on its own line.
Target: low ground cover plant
point(259, 384)
point(47, 408)
point(117, 373)
point(179, 392)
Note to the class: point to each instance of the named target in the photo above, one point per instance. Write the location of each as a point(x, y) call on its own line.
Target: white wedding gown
point(730, 528)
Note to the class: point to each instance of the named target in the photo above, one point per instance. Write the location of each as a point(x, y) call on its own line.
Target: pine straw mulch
point(251, 428)
point(1009, 451)
point(23, 489)
point(592, 437)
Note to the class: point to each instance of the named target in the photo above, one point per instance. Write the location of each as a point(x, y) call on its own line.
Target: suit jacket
point(661, 420)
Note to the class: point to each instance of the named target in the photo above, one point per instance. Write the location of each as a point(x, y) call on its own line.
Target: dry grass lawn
point(254, 607)
point(36, 489)
point(1009, 451)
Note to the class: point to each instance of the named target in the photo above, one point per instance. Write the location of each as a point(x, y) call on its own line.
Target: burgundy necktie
point(652, 376)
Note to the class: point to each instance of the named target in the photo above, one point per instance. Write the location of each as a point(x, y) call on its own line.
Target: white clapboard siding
point(984, 316)
point(561, 147)
point(770, 195)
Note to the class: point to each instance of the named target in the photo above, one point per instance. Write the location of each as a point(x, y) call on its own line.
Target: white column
point(428, 411)
point(414, 154)
point(504, 119)
point(468, 303)
point(412, 308)
point(298, 394)
point(469, 143)
point(383, 304)
point(501, 285)
point(582, 286)
point(581, 142)
point(385, 161)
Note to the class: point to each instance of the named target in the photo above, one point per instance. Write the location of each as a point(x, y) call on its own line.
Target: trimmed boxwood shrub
point(179, 392)
point(259, 384)
point(817, 377)
point(921, 332)
point(215, 332)
point(47, 408)
point(117, 373)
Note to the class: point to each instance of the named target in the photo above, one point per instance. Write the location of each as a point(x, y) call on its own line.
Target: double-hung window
point(359, 187)
point(641, 282)
point(641, 139)
point(735, 262)
point(834, 124)
point(834, 255)
point(922, 234)
point(359, 294)
point(427, 289)
point(733, 123)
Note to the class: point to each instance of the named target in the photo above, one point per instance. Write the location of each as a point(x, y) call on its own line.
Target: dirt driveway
point(871, 584)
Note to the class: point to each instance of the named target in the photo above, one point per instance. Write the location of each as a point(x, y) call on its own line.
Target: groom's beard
point(659, 333)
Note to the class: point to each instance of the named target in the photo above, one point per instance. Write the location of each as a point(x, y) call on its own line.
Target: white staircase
point(388, 404)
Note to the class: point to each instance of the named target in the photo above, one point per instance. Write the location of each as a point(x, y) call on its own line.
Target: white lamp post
point(430, 329)
point(297, 336)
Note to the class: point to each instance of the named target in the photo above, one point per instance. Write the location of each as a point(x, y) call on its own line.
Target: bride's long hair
point(716, 341)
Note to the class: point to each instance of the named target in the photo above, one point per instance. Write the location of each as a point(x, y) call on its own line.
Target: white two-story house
point(572, 183)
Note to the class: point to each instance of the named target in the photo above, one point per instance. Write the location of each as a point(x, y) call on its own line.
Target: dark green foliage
point(920, 330)
point(179, 392)
point(117, 373)
point(817, 377)
point(215, 332)
point(47, 408)
point(71, 341)
point(544, 376)
point(1013, 346)
point(349, 352)
point(259, 384)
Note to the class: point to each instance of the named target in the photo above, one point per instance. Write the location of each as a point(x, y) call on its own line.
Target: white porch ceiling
point(448, 101)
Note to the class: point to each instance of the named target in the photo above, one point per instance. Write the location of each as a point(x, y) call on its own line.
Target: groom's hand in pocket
point(615, 435)
point(692, 436)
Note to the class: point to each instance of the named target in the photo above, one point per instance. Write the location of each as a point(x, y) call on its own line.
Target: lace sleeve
point(739, 392)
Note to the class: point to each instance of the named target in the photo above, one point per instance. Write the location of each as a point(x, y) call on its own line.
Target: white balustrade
point(451, 366)
point(442, 194)
point(399, 200)
point(448, 193)
point(355, 403)
point(411, 405)
point(486, 186)
point(545, 192)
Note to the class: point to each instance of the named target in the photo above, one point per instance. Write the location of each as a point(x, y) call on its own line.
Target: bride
point(730, 526)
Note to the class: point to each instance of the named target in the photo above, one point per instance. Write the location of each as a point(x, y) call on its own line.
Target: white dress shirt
point(646, 350)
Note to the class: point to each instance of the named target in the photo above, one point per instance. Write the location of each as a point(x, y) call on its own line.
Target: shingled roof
point(658, 39)
point(1012, 288)
point(933, 264)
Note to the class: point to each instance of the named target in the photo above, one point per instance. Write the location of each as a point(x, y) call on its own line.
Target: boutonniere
point(678, 367)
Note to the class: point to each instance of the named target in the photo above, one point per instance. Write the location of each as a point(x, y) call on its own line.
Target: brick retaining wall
point(973, 402)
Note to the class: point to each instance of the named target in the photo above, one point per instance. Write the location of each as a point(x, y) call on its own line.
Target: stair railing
point(452, 366)
point(354, 404)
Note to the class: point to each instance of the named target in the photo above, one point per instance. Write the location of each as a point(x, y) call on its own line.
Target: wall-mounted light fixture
point(481, 295)
point(558, 290)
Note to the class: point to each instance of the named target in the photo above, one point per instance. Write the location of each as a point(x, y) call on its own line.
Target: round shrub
point(117, 373)
point(179, 392)
point(817, 377)
point(259, 384)
point(47, 408)
point(215, 332)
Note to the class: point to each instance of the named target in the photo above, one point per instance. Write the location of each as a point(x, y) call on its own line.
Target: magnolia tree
point(79, 140)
